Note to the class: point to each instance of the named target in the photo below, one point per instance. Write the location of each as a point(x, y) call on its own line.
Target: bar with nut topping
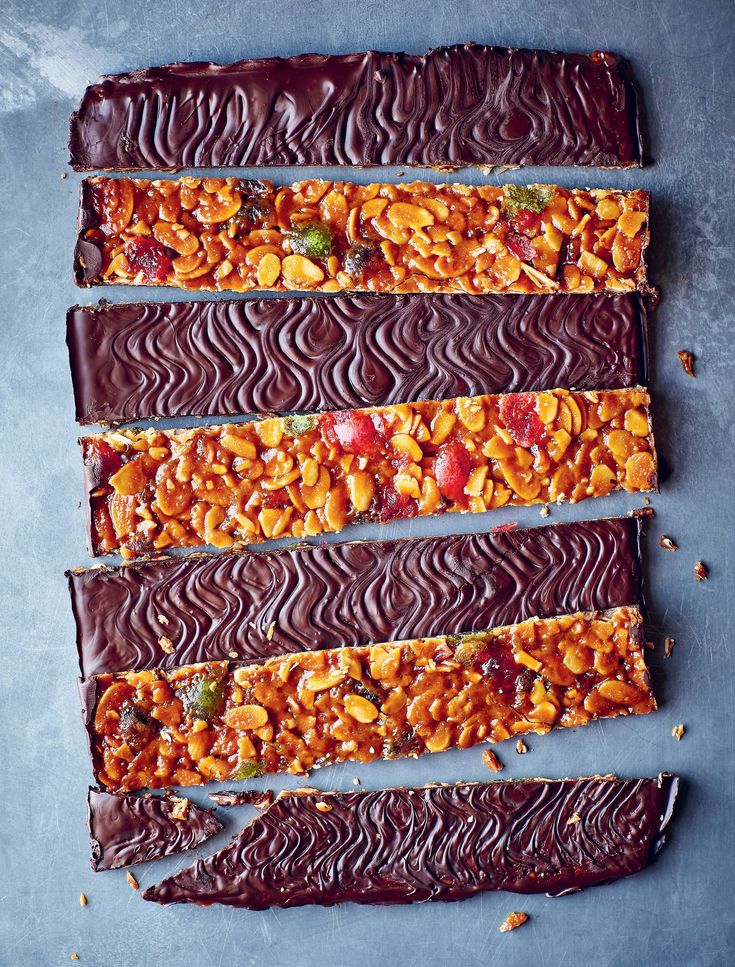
point(459, 105)
point(146, 360)
point(553, 836)
point(235, 235)
point(303, 476)
point(226, 720)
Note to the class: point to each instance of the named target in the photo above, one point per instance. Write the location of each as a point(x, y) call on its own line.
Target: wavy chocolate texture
point(125, 830)
point(435, 843)
point(147, 360)
point(453, 106)
point(215, 607)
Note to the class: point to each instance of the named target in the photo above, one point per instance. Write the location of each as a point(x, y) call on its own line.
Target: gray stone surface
point(680, 912)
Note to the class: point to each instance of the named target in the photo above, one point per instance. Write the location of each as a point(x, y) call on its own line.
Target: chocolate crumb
point(521, 747)
point(669, 647)
point(667, 544)
point(687, 362)
point(700, 571)
point(249, 797)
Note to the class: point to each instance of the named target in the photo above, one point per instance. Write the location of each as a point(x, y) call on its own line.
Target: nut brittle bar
point(452, 841)
point(303, 476)
point(136, 361)
point(125, 830)
point(225, 720)
point(236, 235)
point(453, 106)
point(252, 606)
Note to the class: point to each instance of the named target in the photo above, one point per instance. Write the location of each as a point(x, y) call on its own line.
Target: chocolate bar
point(454, 106)
point(125, 830)
point(136, 361)
point(238, 235)
point(306, 475)
point(222, 720)
point(434, 843)
point(249, 607)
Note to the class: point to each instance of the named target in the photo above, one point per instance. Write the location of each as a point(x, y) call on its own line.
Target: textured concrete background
point(680, 912)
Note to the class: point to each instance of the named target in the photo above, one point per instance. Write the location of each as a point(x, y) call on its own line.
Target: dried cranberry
point(495, 660)
point(527, 221)
point(391, 505)
point(101, 462)
point(518, 412)
point(148, 256)
point(521, 247)
point(452, 470)
point(352, 430)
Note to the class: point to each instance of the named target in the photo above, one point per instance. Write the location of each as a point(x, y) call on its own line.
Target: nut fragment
point(521, 747)
point(700, 571)
point(492, 761)
point(513, 921)
point(132, 882)
point(574, 819)
point(82, 900)
point(687, 362)
point(323, 807)
point(669, 644)
point(678, 732)
point(667, 544)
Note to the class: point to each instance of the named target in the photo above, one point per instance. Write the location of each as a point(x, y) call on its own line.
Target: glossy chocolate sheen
point(453, 106)
point(125, 830)
point(168, 359)
point(435, 843)
point(218, 607)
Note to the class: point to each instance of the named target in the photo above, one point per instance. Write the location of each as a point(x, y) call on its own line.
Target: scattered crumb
point(574, 819)
point(667, 544)
point(544, 512)
point(678, 732)
point(521, 747)
point(650, 645)
point(669, 647)
point(470, 820)
point(181, 807)
point(82, 899)
point(131, 880)
point(162, 619)
point(647, 501)
point(355, 781)
point(512, 921)
point(261, 799)
point(400, 174)
point(323, 807)
point(74, 957)
point(232, 654)
point(166, 644)
point(491, 760)
point(700, 571)
point(269, 633)
point(63, 175)
point(687, 362)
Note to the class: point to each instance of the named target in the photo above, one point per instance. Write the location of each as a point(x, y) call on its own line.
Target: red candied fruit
point(352, 430)
point(101, 462)
point(521, 247)
point(391, 505)
point(496, 661)
point(452, 470)
point(527, 221)
point(148, 256)
point(518, 412)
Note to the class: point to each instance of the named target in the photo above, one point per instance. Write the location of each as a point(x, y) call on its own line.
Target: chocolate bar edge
point(200, 823)
point(664, 788)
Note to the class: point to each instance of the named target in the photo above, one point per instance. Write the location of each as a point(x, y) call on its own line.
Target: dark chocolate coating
point(125, 830)
point(435, 843)
point(221, 606)
point(167, 359)
point(453, 106)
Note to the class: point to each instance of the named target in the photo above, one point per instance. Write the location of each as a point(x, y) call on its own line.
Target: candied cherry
point(452, 470)
point(521, 247)
point(148, 256)
point(527, 221)
point(518, 413)
point(352, 430)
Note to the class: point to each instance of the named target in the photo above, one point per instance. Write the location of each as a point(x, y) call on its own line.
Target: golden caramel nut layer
point(306, 475)
point(224, 720)
point(234, 235)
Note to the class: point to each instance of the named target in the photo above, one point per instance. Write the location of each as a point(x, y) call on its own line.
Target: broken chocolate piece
point(434, 843)
point(125, 829)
